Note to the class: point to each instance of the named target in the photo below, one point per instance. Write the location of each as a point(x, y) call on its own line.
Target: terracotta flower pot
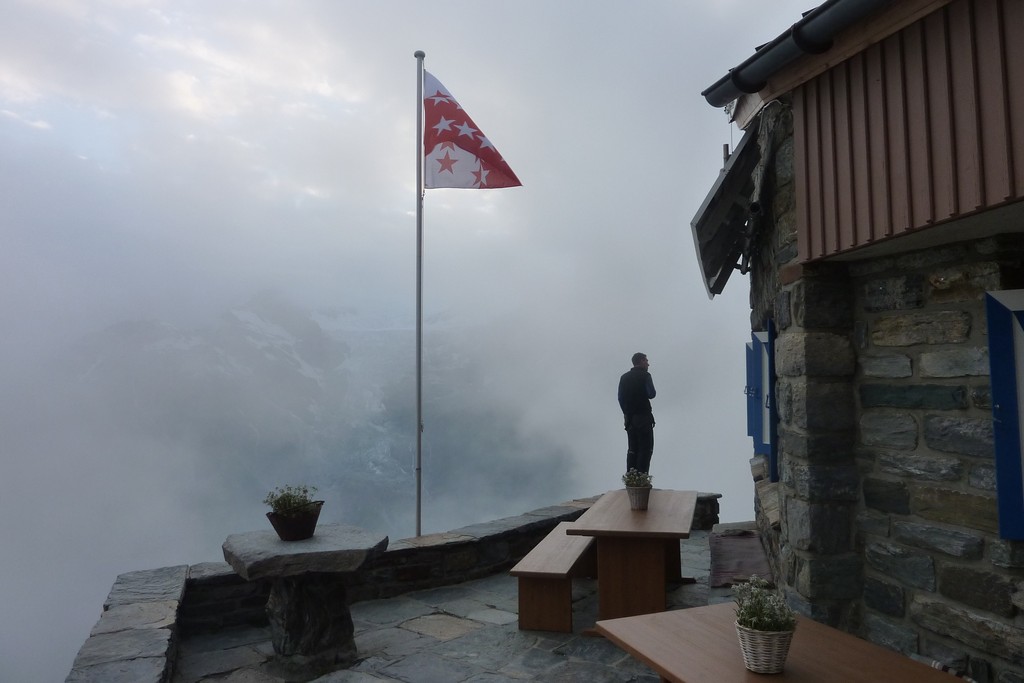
point(297, 527)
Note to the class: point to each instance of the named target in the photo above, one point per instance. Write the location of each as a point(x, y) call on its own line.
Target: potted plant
point(638, 488)
point(293, 512)
point(764, 625)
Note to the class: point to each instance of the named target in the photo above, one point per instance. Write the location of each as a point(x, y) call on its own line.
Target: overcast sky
point(167, 159)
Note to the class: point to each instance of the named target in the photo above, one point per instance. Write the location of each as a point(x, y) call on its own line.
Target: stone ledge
point(135, 638)
point(166, 583)
point(138, 641)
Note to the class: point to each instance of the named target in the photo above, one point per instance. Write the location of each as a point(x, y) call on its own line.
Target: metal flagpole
point(419, 55)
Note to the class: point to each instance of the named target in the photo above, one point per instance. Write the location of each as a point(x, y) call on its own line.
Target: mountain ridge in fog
point(273, 393)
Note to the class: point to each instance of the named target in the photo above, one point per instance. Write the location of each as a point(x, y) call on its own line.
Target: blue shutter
point(1005, 312)
point(753, 392)
point(768, 400)
point(760, 392)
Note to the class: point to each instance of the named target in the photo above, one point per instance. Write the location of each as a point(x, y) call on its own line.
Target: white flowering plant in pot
point(761, 608)
point(638, 488)
point(764, 625)
point(636, 478)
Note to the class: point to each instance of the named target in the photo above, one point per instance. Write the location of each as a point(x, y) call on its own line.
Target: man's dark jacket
point(636, 389)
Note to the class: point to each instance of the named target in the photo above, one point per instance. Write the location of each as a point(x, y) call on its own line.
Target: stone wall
point(146, 612)
point(937, 578)
point(886, 522)
point(217, 598)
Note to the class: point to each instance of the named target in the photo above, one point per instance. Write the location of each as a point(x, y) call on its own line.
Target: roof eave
point(813, 34)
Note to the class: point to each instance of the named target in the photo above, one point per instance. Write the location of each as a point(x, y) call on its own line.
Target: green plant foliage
point(635, 477)
point(289, 501)
point(761, 607)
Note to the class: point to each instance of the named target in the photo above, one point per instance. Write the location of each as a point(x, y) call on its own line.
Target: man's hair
point(637, 357)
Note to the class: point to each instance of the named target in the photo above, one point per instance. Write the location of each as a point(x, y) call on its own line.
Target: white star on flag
point(456, 153)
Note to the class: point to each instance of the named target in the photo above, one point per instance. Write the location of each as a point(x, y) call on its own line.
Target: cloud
point(164, 161)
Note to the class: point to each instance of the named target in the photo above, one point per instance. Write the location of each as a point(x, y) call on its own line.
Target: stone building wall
point(937, 578)
point(886, 499)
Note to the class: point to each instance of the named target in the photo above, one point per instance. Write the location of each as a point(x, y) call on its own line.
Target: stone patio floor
point(464, 633)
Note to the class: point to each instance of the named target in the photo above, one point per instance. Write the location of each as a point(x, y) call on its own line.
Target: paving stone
point(140, 670)
point(549, 641)
point(533, 663)
point(350, 676)
point(226, 639)
point(373, 666)
point(587, 672)
point(200, 665)
point(390, 611)
point(462, 607)
point(435, 596)
point(591, 649)
point(390, 643)
point(508, 602)
point(494, 616)
point(489, 677)
point(490, 648)
point(250, 676)
point(500, 584)
point(637, 672)
point(428, 666)
point(441, 626)
point(690, 595)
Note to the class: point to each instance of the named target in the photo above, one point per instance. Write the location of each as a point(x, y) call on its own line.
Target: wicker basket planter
point(639, 497)
point(764, 652)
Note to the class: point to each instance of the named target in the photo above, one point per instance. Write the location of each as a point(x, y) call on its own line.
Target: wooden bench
point(545, 579)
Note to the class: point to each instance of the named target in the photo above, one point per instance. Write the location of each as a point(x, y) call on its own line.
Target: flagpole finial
point(419, 54)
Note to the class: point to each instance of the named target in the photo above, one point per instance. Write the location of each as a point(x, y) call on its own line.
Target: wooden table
point(637, 550)
point(699, 645)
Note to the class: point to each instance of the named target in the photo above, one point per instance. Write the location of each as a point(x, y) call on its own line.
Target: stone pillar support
point(310, 623)
point(815, 362)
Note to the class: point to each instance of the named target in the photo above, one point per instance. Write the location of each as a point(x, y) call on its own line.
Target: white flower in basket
point(638, 487)
point(764, 625)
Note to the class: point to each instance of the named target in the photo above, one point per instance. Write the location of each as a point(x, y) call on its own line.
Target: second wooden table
point(637, 550)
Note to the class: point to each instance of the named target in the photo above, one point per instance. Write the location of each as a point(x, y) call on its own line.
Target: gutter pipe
point(813, 34)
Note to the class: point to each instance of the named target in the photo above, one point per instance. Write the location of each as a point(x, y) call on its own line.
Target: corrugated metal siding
point(923, 127)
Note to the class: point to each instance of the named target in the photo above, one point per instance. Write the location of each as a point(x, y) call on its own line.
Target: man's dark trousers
point(640, 443)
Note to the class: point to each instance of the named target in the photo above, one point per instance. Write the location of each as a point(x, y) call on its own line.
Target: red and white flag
point(456, 153)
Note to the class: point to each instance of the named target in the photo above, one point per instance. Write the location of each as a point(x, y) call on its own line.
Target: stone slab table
point(308, 606)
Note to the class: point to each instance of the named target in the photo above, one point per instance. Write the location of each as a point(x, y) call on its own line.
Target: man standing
point(636, 389)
